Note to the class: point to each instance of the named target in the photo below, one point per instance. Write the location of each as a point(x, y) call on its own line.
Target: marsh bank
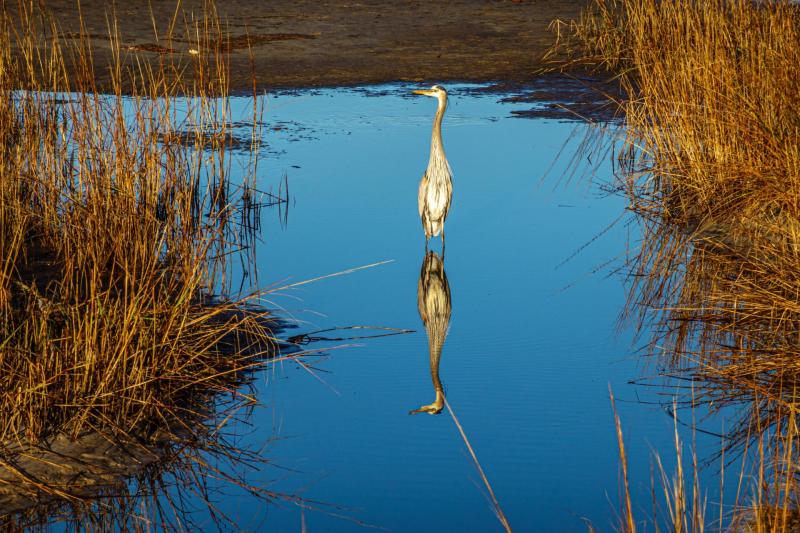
point(293, 44)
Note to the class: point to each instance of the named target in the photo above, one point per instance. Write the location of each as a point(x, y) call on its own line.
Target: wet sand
point(300, 44)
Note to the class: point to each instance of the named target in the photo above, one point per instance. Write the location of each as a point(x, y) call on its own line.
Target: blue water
point(533, 344)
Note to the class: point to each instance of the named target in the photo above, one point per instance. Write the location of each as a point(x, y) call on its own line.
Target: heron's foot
point(432, 409)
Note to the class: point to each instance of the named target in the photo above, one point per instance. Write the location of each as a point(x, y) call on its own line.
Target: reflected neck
point(438, 403)
point(435, 349)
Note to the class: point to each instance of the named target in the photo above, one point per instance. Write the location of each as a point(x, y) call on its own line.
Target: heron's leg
point(442, 244)
point(427, 238)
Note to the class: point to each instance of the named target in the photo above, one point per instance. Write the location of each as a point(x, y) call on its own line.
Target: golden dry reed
point(118, 219)
point(709, 157)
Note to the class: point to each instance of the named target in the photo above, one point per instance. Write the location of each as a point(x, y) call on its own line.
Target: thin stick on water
point(335, 274)
point(495, 504)
point(311, 336)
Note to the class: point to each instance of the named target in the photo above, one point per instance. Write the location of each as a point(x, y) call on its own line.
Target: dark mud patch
point(231, 140)
point(566, 97)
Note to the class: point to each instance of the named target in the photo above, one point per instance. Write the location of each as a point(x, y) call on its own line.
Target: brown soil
point(306, 43)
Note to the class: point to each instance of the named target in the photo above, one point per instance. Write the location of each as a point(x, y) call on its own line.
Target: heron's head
point(436, 91)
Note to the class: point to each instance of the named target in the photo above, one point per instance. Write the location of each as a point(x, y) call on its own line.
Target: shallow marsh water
point(533, 343)
point(532, 261)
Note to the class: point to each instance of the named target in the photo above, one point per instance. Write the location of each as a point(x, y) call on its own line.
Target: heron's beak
point(423, 92)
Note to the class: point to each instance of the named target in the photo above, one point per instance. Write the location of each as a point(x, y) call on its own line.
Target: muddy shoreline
point(301, 44)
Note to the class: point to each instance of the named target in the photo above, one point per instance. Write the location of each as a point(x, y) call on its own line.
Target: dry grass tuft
point(115, 237)
point(710, 160)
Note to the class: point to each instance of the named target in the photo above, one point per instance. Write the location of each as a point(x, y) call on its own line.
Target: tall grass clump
point(118, 218)
point(709, 157)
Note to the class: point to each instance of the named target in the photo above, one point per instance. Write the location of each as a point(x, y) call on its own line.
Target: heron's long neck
point(437, 147)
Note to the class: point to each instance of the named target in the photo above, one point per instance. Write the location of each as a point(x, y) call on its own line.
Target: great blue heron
point(434, 306)
point(436, 187)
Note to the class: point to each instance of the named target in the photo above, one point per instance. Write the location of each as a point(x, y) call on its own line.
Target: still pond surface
point(532, 345)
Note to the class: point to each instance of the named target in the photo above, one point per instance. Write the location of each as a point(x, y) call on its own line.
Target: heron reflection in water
point(436, 187)
point(433, 303)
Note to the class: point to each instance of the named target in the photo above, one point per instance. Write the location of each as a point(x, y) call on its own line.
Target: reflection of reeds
point(682, 511)
point(711, 165)
point(114, 234)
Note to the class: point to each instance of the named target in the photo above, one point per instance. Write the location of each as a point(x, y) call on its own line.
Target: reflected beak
point(423, 92)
